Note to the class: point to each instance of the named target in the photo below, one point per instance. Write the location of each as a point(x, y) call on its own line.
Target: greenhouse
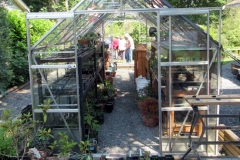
point(184, 58)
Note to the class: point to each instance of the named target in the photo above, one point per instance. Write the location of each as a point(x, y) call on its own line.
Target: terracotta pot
point(107, 65)
point(83, 41)
point(149, 121)
point(109, 78)
point(115, 92)
point(113, 74)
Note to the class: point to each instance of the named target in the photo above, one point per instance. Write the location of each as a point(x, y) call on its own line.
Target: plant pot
point(93, 148)
point(113, 74)
point(63, 158)
point(115, 92)
point(109, 107)
point(169, 157)
point(110, 99)
point(154, 157)
point(52, 158)
point(83, 41)
point(135, 158)
point(100, 105)
point(6, 157)
point(149, 121)
point(100, 119)
point(109, 78)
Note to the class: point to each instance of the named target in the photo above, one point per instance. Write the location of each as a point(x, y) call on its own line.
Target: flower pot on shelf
point(83, 41)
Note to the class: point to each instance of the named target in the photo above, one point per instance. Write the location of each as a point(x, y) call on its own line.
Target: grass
point(226, 60)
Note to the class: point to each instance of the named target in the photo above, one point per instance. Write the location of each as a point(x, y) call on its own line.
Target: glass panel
point(181, 45)
point(61, 34)
point(61, 83)
point(55, 119)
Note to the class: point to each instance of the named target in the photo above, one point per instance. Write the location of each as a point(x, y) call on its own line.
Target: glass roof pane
point(92, 22)
point(59, 35)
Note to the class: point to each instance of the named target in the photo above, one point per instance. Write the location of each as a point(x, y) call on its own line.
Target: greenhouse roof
point(92, 15)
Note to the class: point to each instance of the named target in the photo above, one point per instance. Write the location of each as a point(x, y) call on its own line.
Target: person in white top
point(129, 48)
point(121, 48)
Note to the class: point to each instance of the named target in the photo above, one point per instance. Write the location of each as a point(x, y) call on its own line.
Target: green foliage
point(89, 118)
point(18, 63)
point(84, 146)
point(45, 107)
point(42, 139)
point(135, 32)
point(38, 28)
point(5, 51)
point(7, 146)
point(65, 145)
point(231, 27)
point(20, 130)
point(50, 6)
point(213, 32)
point(197, 3)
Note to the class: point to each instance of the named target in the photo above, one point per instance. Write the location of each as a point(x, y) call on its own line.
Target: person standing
point(115, 44)
point(129, 48)
point(121, 48)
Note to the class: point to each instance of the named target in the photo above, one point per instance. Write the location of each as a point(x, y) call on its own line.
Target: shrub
point(5, 51)
point(19, 59)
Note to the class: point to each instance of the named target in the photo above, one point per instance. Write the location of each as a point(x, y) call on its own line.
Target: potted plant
point(91, 124)
point(109, 94)
point(90, 39)
point(65, 146)
point(17, 133)
point(42, 141)
point(100, 116)
point(149, 110)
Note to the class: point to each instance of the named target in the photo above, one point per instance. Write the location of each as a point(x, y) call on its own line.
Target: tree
point(197, 3)
point(231, 27)
point(5, 51)
point(50, 5)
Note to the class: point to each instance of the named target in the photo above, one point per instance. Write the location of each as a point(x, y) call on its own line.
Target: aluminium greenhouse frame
point(160, 12)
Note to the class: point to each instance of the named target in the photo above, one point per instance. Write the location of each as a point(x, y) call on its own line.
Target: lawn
point(226, 60)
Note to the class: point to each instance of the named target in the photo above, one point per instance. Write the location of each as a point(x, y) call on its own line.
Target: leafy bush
point(7, 146)
point(19, 59)
point(5, 51)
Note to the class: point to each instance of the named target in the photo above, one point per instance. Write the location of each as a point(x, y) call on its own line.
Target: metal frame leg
point(191, 143)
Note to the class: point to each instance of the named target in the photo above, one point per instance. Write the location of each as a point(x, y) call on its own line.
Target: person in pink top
point(121, 48)
point(114, 45)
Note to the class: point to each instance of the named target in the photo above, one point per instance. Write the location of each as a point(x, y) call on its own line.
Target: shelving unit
point(66, 78)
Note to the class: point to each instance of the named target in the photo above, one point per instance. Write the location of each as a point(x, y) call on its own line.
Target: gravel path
point(16, 100)
point(123, 129)
point(230, 85)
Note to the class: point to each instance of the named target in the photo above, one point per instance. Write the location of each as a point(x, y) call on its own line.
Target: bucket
point(141, 82)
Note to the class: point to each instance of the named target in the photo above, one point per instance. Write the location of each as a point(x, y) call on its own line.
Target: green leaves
point(65, 145)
